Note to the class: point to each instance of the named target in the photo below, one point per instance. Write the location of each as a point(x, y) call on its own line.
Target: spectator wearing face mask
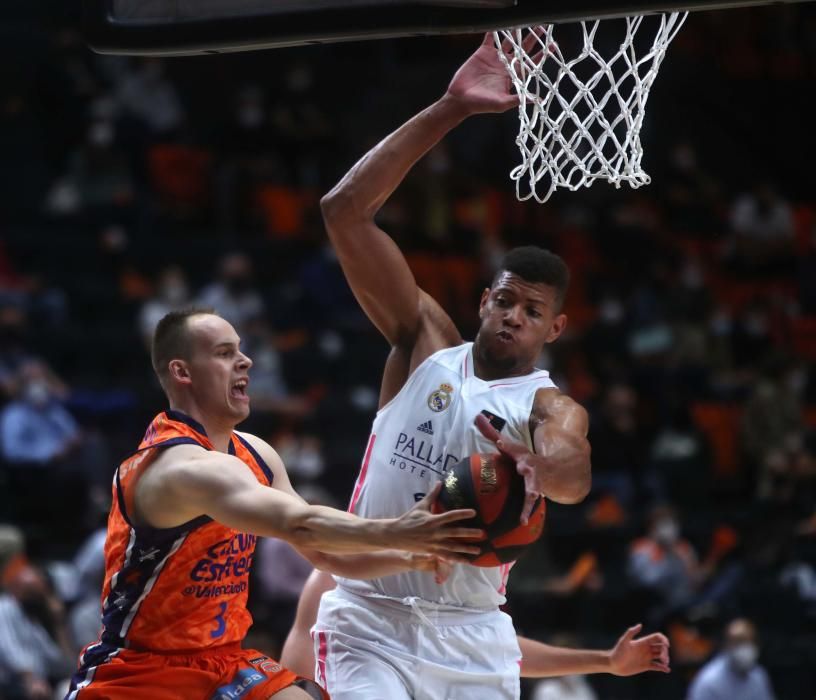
point(234, 296)
point(34, 648)
point(734, 674)
point(43, 449)
point(663, 562)
point(172, 293)
point(35, 429)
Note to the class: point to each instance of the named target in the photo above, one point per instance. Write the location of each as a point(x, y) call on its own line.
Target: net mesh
point(581, 117)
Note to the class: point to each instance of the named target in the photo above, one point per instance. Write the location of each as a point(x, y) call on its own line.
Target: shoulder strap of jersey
point(167, 429)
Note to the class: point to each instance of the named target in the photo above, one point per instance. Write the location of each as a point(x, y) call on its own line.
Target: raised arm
point(373, 264)
point(187, 481)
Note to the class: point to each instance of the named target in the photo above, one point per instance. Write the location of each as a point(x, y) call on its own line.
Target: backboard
point(185, 27)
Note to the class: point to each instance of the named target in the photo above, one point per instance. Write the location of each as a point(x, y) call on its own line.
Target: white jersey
point(421, 433)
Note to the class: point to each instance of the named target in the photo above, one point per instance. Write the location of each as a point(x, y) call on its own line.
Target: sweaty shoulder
point(551, 402)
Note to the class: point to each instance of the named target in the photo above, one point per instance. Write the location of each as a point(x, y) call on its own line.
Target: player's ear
point(557, 328)
point(483, 301)
point(179, 371)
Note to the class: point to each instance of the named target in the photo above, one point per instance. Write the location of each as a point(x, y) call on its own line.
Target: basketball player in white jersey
point(406, 636)
point(628, 657)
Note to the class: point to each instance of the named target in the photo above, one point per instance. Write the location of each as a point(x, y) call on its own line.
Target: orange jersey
point(177, 589)
point(226, 672)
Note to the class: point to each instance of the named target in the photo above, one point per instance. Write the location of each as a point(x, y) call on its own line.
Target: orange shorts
point(223, 673)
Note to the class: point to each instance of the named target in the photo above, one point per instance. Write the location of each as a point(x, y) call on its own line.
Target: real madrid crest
point(440, 399)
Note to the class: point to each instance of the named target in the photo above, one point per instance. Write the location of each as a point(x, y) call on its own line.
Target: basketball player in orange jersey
point(187, 507)
point(406, 636)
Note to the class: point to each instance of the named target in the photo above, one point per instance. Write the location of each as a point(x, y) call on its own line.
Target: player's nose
point(513, 316)
point(244, 361)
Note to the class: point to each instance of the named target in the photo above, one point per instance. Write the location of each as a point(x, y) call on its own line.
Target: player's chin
point(239, 406)
point(504, 354)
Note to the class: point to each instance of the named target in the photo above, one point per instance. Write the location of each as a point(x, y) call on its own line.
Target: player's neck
point(217, 432)
point(489, 371)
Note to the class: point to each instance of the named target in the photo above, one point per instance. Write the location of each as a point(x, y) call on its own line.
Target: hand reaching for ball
point(527, 464)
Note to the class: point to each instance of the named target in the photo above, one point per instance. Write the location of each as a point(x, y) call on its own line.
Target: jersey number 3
point(220, 622)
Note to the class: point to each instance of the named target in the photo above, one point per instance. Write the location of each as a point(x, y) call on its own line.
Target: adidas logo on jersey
point(426, 427)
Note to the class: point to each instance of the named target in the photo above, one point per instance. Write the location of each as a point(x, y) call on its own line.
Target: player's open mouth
point(505, 337)
point(239, 390)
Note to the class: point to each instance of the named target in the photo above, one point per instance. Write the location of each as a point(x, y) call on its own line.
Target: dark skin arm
point(411, 321)
point(559, 427)
point(560, 467)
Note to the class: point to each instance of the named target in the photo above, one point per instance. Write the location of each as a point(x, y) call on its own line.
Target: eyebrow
point(224, 343)
point(525, 299)
point(540, 302)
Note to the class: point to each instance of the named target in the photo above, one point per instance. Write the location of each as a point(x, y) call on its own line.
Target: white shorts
point(379, 649)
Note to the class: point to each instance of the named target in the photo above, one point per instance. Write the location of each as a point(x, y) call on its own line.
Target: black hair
point(537, 265)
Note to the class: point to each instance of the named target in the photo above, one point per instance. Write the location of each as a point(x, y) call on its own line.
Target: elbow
point(583, 489)
point(299, 531)
point(347, 206)
point(330, 204)
point(319, 560)
point(577, 488)
point(573, 496)
point(584, 485)
point(338, 208)
point(302, 538)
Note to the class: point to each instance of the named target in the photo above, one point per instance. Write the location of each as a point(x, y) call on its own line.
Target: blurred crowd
point(131, 187)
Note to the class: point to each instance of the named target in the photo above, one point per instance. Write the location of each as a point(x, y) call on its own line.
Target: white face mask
point(666, 532)
point(37, 393)
point(744, 656)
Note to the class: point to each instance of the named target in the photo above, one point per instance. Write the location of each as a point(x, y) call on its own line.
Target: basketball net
point(581, 117)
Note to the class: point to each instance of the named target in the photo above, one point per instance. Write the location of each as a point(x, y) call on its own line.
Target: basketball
point(490, 484)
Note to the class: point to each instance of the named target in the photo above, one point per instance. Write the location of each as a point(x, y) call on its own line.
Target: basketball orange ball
point(490, 484)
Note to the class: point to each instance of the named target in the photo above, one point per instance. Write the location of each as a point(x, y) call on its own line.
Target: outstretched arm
point(361, 566)
point(628, 657)
point(187, 481)
point(373, 264)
